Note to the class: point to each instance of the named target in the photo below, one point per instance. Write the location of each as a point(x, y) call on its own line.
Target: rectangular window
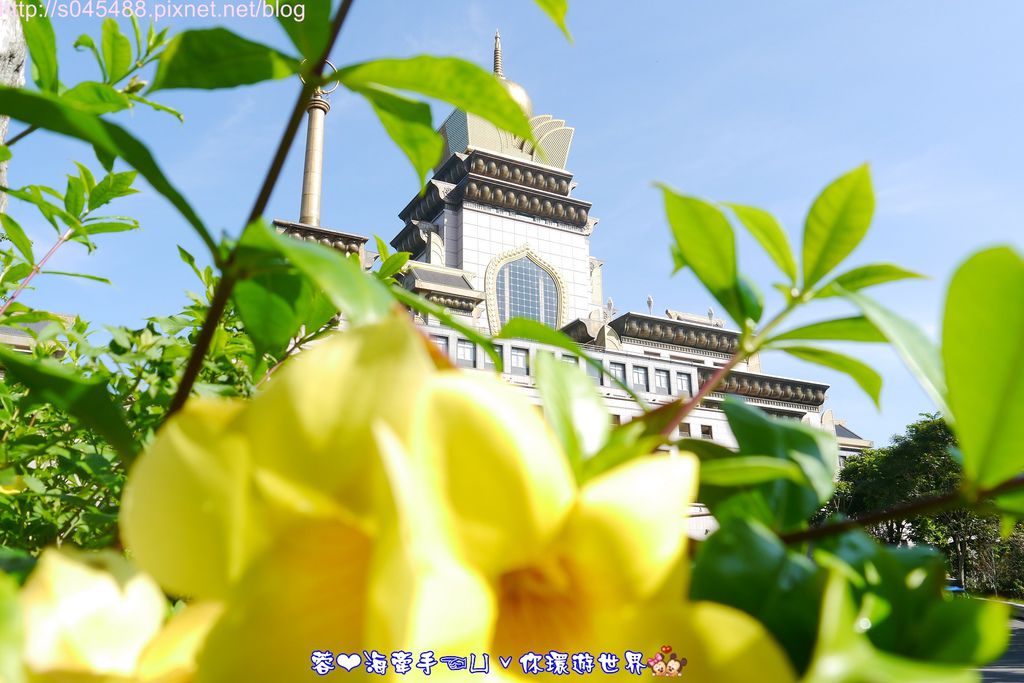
point(684, 430)
point(442, 343)
point(661, 380)
point(618, 371)
point(706, 432)
point(520, 364)
point(489, 363)
point(465, 353)
point(683, 384)
point(594, 374)
point(616, 419)
point(570, 359)
point(640, 379)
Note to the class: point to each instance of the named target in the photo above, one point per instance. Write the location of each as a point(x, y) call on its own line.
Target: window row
point(518, 363)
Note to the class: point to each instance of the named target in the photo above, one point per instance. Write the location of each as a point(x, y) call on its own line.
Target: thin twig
point(907, 510)
point(24, 133)
point(684, 409)
point(227, 283)
point(36, 268)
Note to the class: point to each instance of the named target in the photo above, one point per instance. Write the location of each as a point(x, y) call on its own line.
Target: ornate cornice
point(493, 180)
point(768, 387)
point(413, 237)
point(457, 294)
point(676, 332)
point(342, 241)
point(491, 284)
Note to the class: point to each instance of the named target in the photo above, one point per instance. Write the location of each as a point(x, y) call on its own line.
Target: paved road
point(1009, 669)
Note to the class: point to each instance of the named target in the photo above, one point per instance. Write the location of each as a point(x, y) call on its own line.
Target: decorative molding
point(342, 241)
point(768, 387)
point(676, 332)
point(494, 180)
point(491, 284)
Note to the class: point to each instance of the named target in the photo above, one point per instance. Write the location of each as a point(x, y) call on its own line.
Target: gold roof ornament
point(518, 92)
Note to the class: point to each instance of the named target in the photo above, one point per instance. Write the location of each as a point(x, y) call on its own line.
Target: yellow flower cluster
point(370, 500)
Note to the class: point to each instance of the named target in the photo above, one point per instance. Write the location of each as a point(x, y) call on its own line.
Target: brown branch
point(24, 133)
point(227, 283)
point(684, 409)
point(65, 236)
point(914, 508)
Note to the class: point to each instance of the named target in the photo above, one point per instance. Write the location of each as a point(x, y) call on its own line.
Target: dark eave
point(676, 332)
point(342, 241)
point(757, 385)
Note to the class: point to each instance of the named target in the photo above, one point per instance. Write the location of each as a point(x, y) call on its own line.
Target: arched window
point(525, 290)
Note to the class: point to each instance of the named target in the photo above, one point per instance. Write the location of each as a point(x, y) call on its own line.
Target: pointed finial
point(498, 70)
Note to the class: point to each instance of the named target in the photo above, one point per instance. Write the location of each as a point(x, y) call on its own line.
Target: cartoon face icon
point(658, 668)
point(673, 667)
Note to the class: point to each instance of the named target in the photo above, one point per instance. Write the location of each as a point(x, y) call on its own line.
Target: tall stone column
point(312, 172)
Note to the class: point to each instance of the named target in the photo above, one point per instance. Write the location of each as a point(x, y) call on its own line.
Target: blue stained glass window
point(525, 290)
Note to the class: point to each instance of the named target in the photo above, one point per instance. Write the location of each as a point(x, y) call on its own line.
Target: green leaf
point(704, 242)
point(86, 41)
point(5, 153)
point(217, 58)
point(74, 196)
point(311, 33)
point(112, 186)
point(87, 400)
point(865, 276)
point(748, 470)
point(843, 653)
point(767, 231)
point(86, 175)
point(573, 409)
point(100, 227)
point(156, 106)
point(41, 42)
point(865, 377)
point(276, 301)
point(744, 565)
point(556, 10)
point(105, 158)
point(48, 112)
point(84, 276)
point(856, 328)
point(836, 223)
point(458, 82)
point(96, 98)
point(525, 328)
point(917, 351)
point(625, 443)
point(409, 124)
point(358, 295)
point(393, 264)
point(17, 236)
point(813, 450)
point(117, 51)
point(983, 350)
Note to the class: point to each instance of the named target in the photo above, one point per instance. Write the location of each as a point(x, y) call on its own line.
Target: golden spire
point(498, 70)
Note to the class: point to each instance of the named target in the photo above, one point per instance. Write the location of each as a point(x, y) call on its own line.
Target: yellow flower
point(90, 617)
point(369, 501)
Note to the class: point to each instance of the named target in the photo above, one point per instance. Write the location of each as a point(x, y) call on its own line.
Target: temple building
point(499, 232)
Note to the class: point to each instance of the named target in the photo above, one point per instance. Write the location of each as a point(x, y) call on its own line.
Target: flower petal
point(313, 423)
point(627, 534)
point(506, 478)
point(186, 515)
point(88, 614)
point(719, 643)
point(422, 596)
point(305, 593)
point(170, 657)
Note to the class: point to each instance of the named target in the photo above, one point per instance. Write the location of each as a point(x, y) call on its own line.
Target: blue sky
point(753, 102)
